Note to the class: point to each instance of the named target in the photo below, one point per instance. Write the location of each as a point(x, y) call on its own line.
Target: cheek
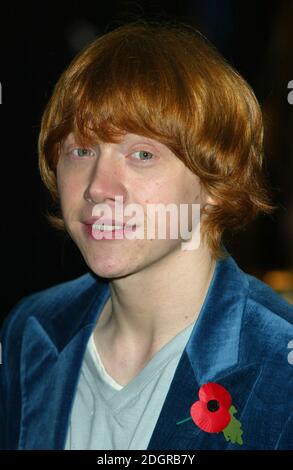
point(60, 177)
point(184, 190)
point(167, 192)
point(69, 186)
point(160, 192)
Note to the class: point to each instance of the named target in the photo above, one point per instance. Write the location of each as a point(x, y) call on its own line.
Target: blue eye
point(82, 152)
point(144, 155)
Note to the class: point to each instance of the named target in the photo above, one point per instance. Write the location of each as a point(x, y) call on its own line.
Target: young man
point(161, 345)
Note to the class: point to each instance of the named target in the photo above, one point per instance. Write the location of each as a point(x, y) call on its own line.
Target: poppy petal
point(207, 420)
point(213, 391)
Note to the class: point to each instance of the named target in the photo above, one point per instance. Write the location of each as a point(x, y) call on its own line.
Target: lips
point(105, 229)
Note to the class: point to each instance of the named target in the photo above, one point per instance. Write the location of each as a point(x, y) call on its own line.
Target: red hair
point(169, 83)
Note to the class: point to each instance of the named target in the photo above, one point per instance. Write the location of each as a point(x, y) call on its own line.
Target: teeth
point(107, 227)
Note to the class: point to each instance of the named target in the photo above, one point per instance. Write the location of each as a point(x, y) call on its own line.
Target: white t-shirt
point(109, 416)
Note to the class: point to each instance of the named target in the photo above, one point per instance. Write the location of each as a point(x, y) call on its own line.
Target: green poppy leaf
point(233, 431)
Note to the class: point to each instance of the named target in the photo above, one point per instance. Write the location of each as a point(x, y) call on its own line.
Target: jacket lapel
point(183, 393)
point(211, 355)
point(49, 374)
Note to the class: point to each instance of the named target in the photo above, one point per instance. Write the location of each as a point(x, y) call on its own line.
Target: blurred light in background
point(281, 282)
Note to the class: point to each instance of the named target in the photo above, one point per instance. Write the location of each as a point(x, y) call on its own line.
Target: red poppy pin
point(214, 412)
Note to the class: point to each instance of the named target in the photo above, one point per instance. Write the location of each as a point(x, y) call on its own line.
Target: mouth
point(106, 227)
point(108, 231)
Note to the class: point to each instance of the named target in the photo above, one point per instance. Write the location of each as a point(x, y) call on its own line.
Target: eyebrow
point(127, 139)
point(147, 140)
point(130, 138)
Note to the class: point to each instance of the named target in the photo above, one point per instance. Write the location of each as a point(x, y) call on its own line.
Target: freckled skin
point(113, 172)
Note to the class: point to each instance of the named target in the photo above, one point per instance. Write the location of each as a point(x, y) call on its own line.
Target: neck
point(149, 307)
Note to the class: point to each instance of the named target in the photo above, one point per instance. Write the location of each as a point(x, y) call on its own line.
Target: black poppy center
point(213, 405)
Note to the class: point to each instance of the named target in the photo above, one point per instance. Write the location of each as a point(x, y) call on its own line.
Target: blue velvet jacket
point(240, 341)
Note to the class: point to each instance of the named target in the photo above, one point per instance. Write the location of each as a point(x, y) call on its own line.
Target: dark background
point(38, 40)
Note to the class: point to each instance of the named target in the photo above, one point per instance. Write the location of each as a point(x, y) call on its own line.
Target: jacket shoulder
point(47, 303)
point(263, 363)
point(267, 325)
point(266, 298)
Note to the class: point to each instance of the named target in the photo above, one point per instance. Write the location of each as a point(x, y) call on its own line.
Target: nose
point(106, 179)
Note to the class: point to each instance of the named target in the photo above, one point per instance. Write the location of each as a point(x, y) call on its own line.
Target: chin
point(111, 273)
point(110, 268)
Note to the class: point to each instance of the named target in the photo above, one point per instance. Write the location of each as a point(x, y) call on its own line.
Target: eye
point(80, 152)
point(143, 155)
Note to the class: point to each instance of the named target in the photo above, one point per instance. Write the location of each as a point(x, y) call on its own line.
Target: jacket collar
point(51, 360)
point(50, 367)
point(214, 343)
